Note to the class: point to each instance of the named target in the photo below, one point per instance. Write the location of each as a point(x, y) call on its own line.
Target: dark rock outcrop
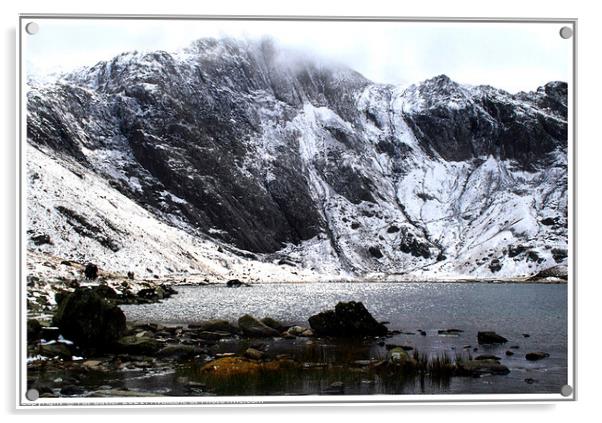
point(89, 320)
point(347, 319)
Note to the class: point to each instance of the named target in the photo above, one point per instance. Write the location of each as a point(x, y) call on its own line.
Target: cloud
point(512, 56)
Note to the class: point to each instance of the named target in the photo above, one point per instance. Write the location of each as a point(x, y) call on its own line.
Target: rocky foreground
point(87, 348)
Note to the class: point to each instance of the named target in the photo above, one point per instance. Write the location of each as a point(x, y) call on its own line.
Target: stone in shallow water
point(490, 337)
point(347, 319)
point(250, 326)
point(534, 356)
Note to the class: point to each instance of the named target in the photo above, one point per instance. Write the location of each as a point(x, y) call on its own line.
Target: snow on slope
point(434, 181)
point(143, 244)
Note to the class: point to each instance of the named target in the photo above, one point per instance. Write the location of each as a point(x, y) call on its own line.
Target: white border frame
point(120, 402)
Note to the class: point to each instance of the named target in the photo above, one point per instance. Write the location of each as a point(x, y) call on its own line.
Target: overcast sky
point(510, 56)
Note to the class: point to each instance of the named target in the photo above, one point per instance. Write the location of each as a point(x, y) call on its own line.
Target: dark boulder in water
point(490, 338)
point(89, 320)
point(534, 356)
point(347, 319)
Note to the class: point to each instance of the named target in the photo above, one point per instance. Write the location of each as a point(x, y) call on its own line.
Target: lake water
point(533, 317)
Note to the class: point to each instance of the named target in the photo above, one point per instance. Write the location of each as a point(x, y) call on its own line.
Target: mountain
point(237, 158)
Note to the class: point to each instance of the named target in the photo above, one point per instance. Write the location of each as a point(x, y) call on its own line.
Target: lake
point(533, 317)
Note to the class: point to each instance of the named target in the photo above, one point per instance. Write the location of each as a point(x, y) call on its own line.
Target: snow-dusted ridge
point(234, 160)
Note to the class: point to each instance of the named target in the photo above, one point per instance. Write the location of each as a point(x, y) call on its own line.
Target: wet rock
point(91, 271)
point(347, 319)
point(89, 320)
point(535, 356)
point(526, 335)
point(296, 330)
point(509, 353)
point(489, 337)
point(135, 345)
point(56, 349)
point(253, 354)
point(250, 326)
point(476, 368)
point(273, 323)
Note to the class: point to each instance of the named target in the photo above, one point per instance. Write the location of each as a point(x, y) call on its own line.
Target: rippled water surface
point(532, 316)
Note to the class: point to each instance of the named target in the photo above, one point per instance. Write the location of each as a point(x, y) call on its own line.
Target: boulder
point(534, 356)
point(89, 320)
point(489, 337)
point(250, 326)
point(234, 283)
point(347, 319)
point(253, 354)
point(91, 271)
point(273, 323)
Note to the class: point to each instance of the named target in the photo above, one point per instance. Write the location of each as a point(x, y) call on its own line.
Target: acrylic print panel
point(295, 210)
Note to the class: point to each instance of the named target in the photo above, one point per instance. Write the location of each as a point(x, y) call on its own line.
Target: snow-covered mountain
point(239, 159)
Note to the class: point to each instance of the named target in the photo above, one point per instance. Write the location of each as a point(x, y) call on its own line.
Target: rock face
point(89, 320)
point(347, 319)
point(260, 152)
